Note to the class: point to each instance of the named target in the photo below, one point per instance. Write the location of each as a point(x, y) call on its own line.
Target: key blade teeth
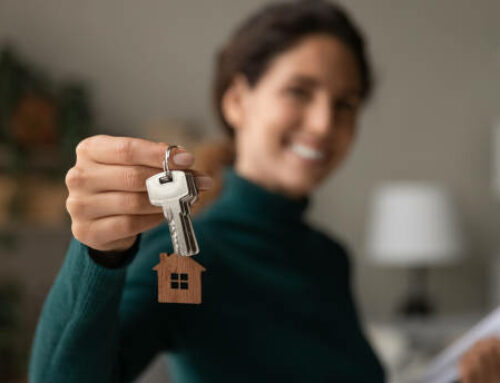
point(174, 236)
point(167, 213)
point(176, 197)
point(188, 230)
point(181, 229)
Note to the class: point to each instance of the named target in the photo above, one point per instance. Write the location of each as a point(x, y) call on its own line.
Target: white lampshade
point(496, 159)
point(413, 224)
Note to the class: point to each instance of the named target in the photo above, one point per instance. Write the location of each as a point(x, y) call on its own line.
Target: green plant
point(11, 354)
point(40, 121)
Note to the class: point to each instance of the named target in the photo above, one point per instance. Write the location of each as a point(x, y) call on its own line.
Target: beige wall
point(438, 70)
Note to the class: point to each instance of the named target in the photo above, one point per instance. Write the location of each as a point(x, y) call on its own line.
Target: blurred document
point(444, 368)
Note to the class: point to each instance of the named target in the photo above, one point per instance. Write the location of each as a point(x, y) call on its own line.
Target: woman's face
point(296, 125)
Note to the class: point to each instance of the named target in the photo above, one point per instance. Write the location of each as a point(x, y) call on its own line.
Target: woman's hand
point(108, 201)
point(481, 363)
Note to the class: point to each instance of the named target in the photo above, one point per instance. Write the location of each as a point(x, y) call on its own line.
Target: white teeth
point(307, 152)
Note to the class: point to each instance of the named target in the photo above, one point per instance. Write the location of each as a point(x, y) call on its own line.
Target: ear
point(233, 101)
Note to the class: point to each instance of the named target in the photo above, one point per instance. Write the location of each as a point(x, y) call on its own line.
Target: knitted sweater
point(276, 304)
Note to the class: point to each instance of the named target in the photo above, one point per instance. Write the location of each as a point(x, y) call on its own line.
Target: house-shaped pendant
point(179, 279)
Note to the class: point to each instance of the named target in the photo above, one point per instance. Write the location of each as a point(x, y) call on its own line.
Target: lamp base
point(417, 302)
point(416, 306)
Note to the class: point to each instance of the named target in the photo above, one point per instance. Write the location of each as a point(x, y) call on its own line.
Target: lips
point(307, 152)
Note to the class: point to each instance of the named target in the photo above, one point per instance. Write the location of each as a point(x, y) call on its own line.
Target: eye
point(345, 106)
point(298, 92)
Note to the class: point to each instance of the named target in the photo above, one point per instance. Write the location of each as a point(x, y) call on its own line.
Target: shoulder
point(334, 249)
point(331, 241)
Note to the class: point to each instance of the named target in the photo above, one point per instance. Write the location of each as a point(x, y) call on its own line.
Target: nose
point(321, 117)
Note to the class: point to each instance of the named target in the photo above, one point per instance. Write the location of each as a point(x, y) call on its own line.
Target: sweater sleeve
point(100, 324)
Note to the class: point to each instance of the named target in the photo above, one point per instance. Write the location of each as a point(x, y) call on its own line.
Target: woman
point(277, 302)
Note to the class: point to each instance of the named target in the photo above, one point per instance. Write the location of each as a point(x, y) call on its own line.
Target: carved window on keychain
point(174, 284)
point(175, 191)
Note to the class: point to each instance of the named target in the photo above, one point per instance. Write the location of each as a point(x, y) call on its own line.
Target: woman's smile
point(306, 155)
point(297, 124)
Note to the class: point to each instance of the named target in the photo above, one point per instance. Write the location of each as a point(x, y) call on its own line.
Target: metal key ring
point(168, 175)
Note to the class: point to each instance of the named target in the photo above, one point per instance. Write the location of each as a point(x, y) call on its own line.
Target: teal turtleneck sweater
point(276, 304)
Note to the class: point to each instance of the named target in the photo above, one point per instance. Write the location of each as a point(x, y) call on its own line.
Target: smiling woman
point(277, 302)
point(297, 123)
point(276, 292)
point(288, 93)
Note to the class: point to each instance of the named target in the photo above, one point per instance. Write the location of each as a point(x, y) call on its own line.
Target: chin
point(305, 171)
point(298, 184)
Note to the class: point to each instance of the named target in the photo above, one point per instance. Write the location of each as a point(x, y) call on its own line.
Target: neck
point(267, 183)
point(246, 201)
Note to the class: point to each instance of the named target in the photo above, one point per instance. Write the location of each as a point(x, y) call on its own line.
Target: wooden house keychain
point(179, 275)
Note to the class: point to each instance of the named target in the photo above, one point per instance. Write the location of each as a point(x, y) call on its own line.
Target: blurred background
point(429, 140)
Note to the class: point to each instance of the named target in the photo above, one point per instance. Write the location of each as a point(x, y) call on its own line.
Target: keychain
point(179, 275)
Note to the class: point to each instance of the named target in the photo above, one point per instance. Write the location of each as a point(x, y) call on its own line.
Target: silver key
point(176, 194)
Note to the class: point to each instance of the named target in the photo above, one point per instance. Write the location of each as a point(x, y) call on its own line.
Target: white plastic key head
point(161, 192)
point(176, 194)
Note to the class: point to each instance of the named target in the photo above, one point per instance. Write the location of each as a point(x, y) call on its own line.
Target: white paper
point(496, 159)
point(444, 368)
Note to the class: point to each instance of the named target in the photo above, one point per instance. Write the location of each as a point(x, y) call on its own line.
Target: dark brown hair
point(271, 31)
point(276, 28)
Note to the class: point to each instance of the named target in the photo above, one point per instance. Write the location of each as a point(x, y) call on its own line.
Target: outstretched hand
point(481, 363)
point(107, 197)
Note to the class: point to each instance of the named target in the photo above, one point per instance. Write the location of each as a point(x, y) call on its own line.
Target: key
point(175, 194)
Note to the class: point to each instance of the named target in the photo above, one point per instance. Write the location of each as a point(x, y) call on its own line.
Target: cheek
point(342, 144)
point(280, 120)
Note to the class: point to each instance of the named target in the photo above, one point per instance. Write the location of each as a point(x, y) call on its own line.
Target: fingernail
point(183, 158)
point(204, 182)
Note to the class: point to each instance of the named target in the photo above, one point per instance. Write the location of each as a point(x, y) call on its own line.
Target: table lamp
point(496, 160)
point(414, 225)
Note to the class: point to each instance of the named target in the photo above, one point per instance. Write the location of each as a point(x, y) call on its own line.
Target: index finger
point(112, 150)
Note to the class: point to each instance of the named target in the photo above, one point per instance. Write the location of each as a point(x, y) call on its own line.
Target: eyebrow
point(306, 80)
point(312, 82)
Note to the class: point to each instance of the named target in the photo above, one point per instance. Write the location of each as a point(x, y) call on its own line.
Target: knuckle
point(131, 202)
point(70, 205)
point(124, 149)
point(68, 178)
point(79, 231)
point(121, 226)
point(74, 177)
point(475, 373)
point(83, 147)
point(132, 178)
point(75, 206)
point(128, 224)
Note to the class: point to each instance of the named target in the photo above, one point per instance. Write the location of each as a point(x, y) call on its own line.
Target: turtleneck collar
point(245, 197)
